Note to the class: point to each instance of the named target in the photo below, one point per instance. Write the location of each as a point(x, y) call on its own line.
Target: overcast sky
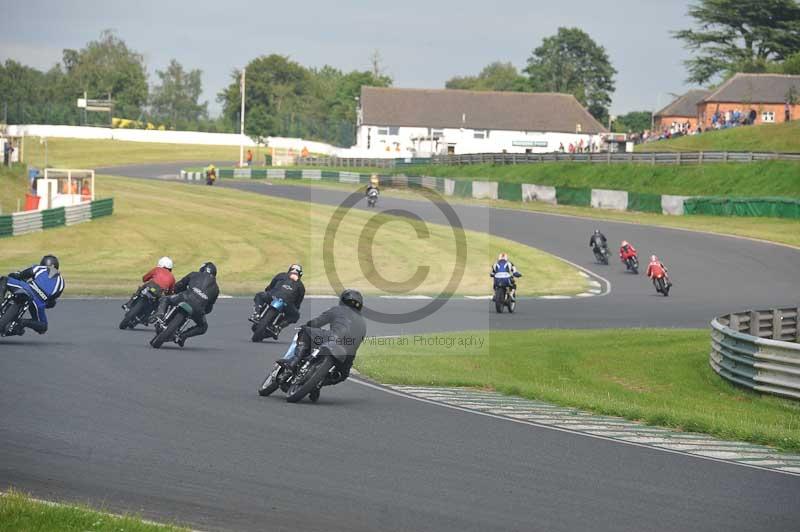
point(422, 44)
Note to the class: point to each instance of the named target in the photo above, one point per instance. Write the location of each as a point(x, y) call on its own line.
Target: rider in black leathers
point(598, 240)
point(347, 330)
point(201, 291)
point(287, 286)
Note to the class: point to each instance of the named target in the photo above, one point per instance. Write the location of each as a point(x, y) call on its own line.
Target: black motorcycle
point(176, 320)
point(142, 308)
point(318, 369)
point(632, 264)
point(267, 323)
point(601, 254)
point(504, 298)
point(13, 308)
point(372, 197)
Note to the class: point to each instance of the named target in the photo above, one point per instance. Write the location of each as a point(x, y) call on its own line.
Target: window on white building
point(394, 131)
point(438, 133)
point(481, 134)
point(768, 117)
point(383, 131)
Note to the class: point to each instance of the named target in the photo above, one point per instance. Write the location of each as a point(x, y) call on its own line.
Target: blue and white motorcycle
point(267, 323)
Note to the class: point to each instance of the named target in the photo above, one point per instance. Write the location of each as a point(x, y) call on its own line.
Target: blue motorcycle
point(14, 306)
point(267, 323)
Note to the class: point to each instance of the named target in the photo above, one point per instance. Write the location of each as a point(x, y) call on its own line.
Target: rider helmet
point(209, 268)
point(502, 256)
point(653, 258)
point(165, 262)
point(49, 260)
point(296, 268)
point(352, 298)
point(597, 232)
point(624, 243)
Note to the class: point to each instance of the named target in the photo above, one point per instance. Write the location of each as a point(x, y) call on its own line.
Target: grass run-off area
point(660, 377)
point(94, 153)
point(780, 230)
point(19, 512)
point(766, 178)
point(13, 186)
point(250, 237)
point(784, 138)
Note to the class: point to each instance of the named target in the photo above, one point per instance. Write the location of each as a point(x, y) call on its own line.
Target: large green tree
point(633, 122)
point(572, 62)
point(740, 36)
point(496, 76)
point(283, 98)
point(108, 67)
point(176, 100)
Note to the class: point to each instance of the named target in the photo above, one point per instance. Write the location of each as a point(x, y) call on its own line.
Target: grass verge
point(779, 230)
point(13, 186)
point(20, 512)
point(763, 138)
point(660, 377)
point(93, 153)
point(250, 237)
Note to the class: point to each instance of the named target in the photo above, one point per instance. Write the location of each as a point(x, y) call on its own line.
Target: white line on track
point(793, 471)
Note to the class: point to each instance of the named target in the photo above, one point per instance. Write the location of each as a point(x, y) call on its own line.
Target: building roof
point(449, 108)
point(756, 88)
point(686, 105)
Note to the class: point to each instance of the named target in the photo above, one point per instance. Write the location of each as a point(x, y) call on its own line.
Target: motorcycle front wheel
point(313, 379)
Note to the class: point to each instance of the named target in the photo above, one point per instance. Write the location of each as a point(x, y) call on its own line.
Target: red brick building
point(769, 98)
point(681, 111)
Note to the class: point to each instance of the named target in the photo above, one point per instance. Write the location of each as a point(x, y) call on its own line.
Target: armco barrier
point(31, 221)
point(759, 350)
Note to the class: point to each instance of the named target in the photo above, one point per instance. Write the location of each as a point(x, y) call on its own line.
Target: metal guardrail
point(759, 349)
point(653, 158)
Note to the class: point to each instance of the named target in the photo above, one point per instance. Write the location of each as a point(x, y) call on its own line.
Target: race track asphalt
point(91, 413)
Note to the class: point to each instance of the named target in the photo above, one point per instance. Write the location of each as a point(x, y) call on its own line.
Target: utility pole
point(241, 124)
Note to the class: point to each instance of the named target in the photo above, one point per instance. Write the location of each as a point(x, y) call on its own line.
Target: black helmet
point(597, 231)
point(296, 268)
point(352, 298)
point(49, 260)
point(209, 268)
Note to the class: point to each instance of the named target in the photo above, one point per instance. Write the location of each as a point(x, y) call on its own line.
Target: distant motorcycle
point(503, 296)
point(211, 177)
point(318, 369)
point(601, 254)
point(632, 264)
point(662, 284)
point(267, 322)
point(372, 197)
point(142, 308)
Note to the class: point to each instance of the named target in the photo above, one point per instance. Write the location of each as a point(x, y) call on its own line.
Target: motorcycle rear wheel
point(316, 375)
point(169, 331)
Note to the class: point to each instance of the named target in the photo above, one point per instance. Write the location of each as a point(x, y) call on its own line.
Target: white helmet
point(165, 262)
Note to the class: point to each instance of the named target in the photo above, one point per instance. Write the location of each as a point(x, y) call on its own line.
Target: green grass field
point(19, 512)
point(764, 138)
point(251, 237)
point(13, 186)
point(661, 377)
point(83, 153)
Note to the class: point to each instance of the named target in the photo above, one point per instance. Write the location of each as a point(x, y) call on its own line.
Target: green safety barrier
point(644, 202)
point(574, 196)
point(509, 191)
point(327, 175)
point(6, 226)
point(53, 218)
point(225, 172)
point(258, 173)
point(294, 174)
point(762, 207)
point(103, 207)
point(462, 188)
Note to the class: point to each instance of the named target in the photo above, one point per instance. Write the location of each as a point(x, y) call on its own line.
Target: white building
point(421, 122)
